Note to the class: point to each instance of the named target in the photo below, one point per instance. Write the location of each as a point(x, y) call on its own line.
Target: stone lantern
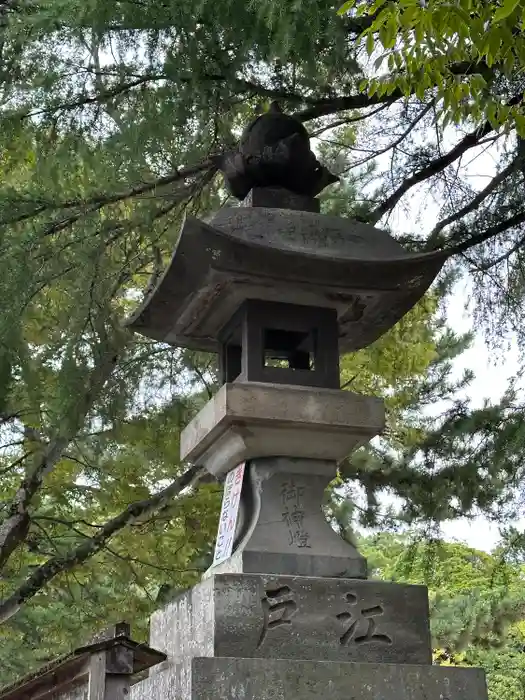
point(279, 292)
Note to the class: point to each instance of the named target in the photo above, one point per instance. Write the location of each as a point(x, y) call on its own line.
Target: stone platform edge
point(222, 678)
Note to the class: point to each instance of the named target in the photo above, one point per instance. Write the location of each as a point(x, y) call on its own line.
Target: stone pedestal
point(227, 678)
point(296, 617)
point(292, 438)
point(252, 420)
point(282, 529)
point(276, 679)
point(264, 637)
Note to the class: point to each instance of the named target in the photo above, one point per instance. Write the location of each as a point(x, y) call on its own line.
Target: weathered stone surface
point(171, 684)
point(279, 198)
point(295, 618)
point(290, 256)
point(274, 151)
point(246, 420)
point(271, 679)
point(280, 679)
point(281, 527)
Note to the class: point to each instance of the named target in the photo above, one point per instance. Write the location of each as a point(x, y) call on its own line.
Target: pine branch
point(489, 233)
point(237, 86)
point(101, 199)
point(433, 168)
point(434, 237)
point(332, 105)
point(243, 86)
point(504, 256)
point(8, 416)
point(14, 526)
point(93, 99)
point(63, 563)
point(348, 120)
point(6, 7)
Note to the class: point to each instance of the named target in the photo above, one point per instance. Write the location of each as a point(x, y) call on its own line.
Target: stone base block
point(245, 420)
point(270, 679)
point(289, 617)
point(278, 679)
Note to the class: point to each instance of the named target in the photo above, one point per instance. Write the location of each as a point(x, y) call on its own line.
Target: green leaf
point(492, 47)
point(520, 124)
point(408, 16)
point(460, 12)
point(491, 113)
point(370, 44)
point(505, 10)
point(388, 32)
point(346, 7)
point(379, 21)
point(375, 6)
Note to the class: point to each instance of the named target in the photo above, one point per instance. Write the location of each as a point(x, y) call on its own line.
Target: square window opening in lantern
point(275, 342)
point(293, 350)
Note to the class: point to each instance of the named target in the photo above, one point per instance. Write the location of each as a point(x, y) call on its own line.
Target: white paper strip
point(229, 512)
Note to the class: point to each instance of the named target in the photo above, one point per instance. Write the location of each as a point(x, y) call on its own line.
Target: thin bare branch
point(391, 146)
point(433, 168)
point(348, 120)
point(489, 233)
point(439, 164)
point(504, 256)
point(433, 240)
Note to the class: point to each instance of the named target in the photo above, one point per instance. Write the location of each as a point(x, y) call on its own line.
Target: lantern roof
point(288, 255)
